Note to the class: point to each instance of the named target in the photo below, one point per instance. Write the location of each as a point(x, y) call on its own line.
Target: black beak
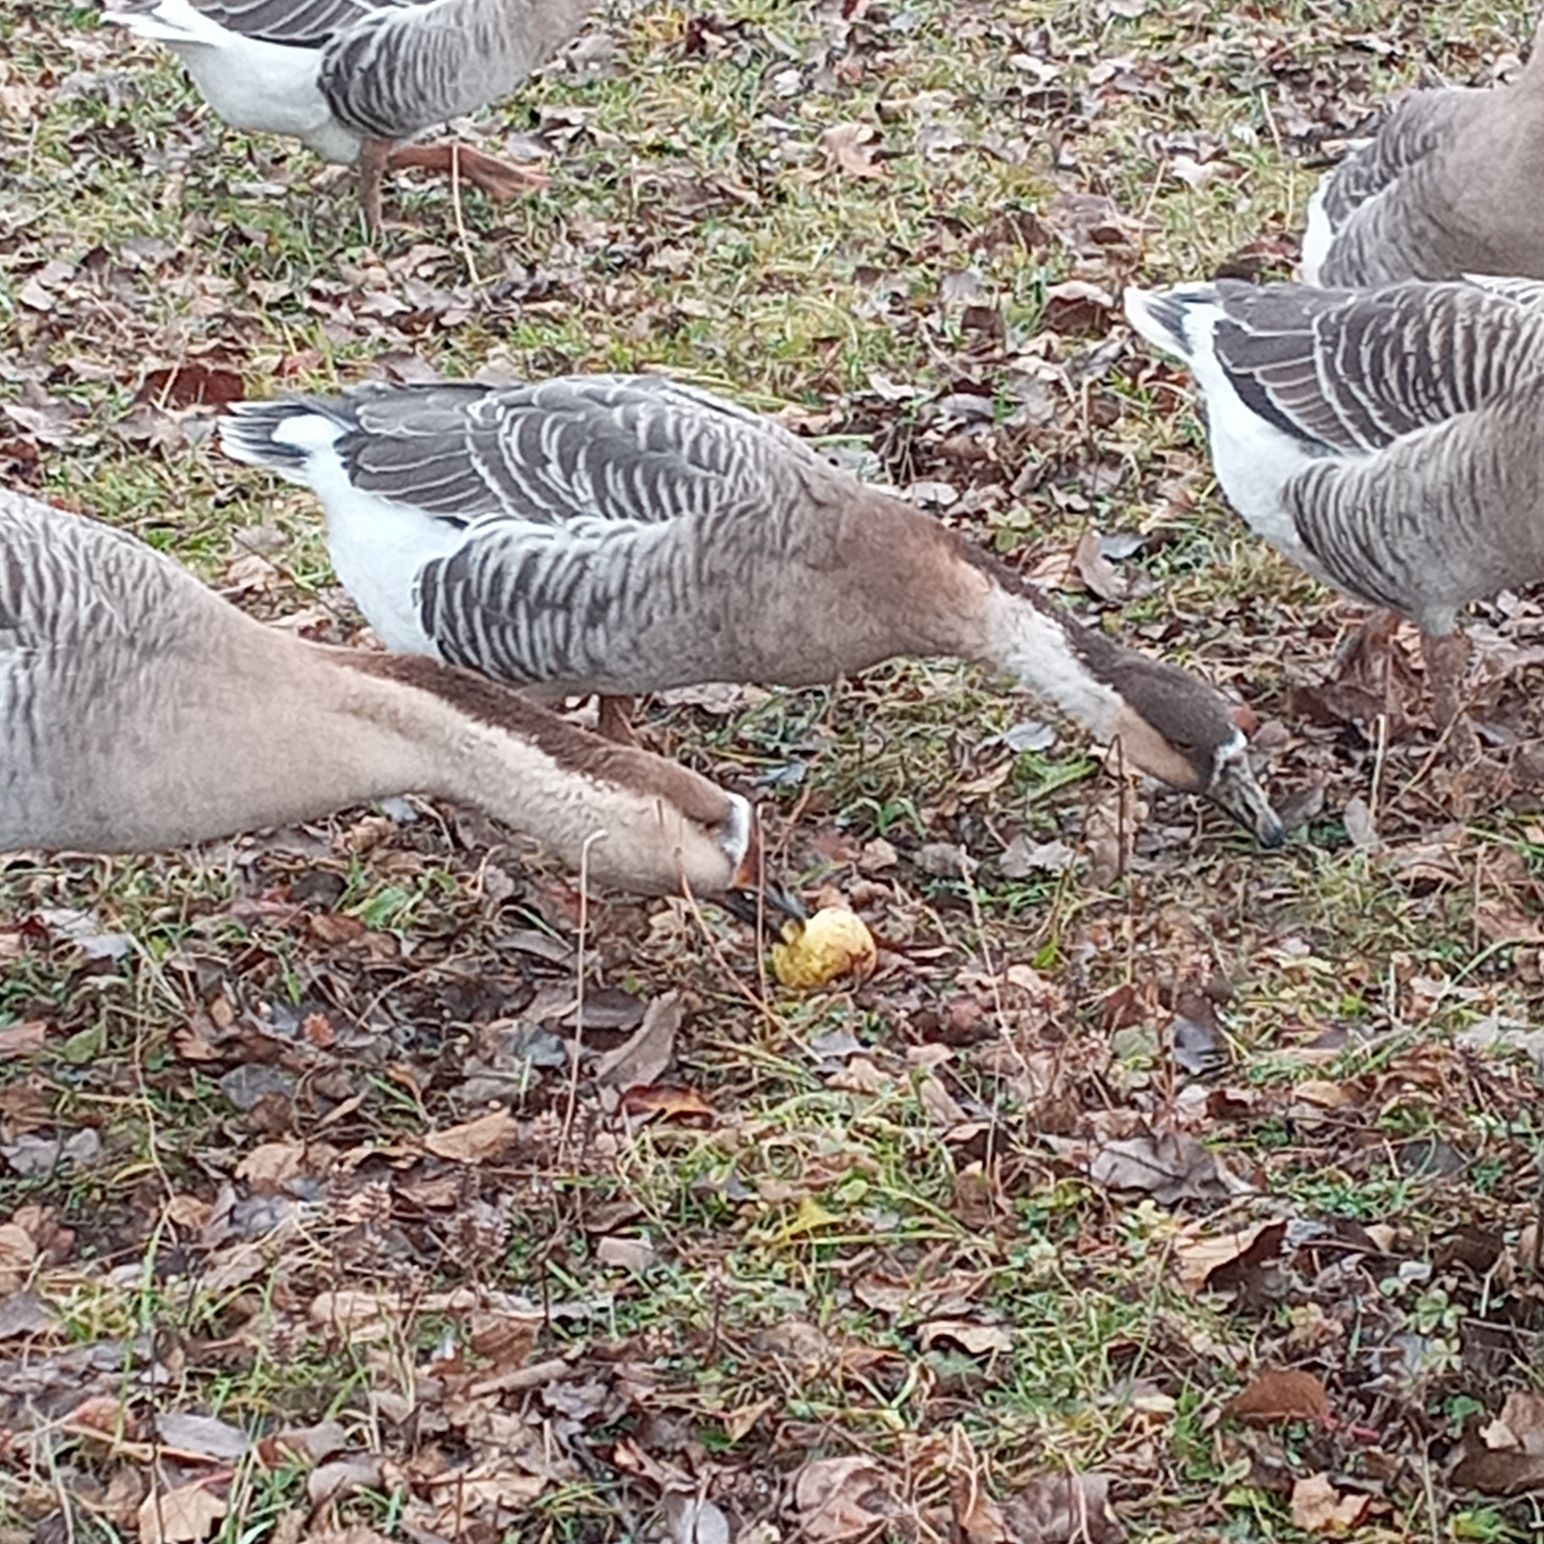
point(1235, 790)
point(750, 905)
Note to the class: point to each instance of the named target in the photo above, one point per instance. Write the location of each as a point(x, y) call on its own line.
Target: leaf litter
point(1134, 1135)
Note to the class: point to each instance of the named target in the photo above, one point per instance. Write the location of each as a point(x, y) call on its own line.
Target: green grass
point(928, 1132)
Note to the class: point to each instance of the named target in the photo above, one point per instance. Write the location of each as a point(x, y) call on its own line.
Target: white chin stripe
point(1230, 750)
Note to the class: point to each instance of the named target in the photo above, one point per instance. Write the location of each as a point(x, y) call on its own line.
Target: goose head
point(653, 826)
point(1175, 727)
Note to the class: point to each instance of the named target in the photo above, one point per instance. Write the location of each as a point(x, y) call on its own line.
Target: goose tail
point(166, 21)
point(282, 435)
point(1167, 318)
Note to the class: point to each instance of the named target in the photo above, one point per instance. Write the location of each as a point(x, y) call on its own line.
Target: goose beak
point(1234, 789)
point(748, 904)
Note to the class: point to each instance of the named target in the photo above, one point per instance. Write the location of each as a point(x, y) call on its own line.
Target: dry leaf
point(850, 148)
point(1095, 570)
point(181, 1516)
point(22, 1039)
point(342, 1477)
point(1197, 1257)
point(1317, 1507)
point(271, 1163)
point(1170, 1167)
point(668, 1103)
point(475, 1141)
point(978, 1339)
point(1282, 1394)
point(693, 1521)
point(645, 1054)
point(205, 1435)
point(1511, 1462)
point(1063, 1509)
point(840, 1498)
point(1520, 1425)
point(17, 1254)
point(977, 1517)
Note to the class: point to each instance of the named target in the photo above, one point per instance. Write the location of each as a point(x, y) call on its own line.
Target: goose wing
point(1351, 372)
point(290, 23)
point(576, 450)
point(405, 68)
point(1407, 134)
point(70, 583)
point(624, 503)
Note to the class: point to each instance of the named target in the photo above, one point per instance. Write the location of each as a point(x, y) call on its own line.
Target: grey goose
point(141, 711)
point(352, 79)
point(1448, 185)
point(1385, 440)
point(627, 534)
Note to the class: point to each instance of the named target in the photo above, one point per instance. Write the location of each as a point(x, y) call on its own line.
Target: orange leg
point(373, 160)
point(1445, 660)
point(500, 180)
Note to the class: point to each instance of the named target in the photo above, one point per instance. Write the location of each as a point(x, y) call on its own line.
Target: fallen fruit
point(832, 943)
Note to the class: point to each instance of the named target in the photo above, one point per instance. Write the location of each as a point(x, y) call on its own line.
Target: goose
point(140, 711)
point(352, 79)
point(1447, 186)
point(619, 534)
point(1385, 440)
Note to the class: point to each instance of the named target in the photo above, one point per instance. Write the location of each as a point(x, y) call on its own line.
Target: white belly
point(269, 89)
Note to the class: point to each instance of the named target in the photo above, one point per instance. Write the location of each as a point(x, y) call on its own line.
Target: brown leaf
point(17, 1040)
point(977, 1339)
point(850, 147)
point(1063, 1509)
point(475, 1141)
point(342, 1477)
point(1169, 1166)
point(840, 1498)
point(1095, 570)
point(17, 1253)
point(191, 384)
point(1520, 1425)
point(977, 1517)
point(669, 1103)
point(24, 1313)
point(269, 1164)
point(1499, 1473)
point(1198, 1256)
point(1317, 1507)
point(693, 1521)
point(1076, 306)
point(645, 1054)
point(180, 1516)
point(205, 1435)
point(1282, 1394)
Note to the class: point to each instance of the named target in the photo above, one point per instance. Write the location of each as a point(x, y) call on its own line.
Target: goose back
point(336, 72)
point(613, 534)
point(405, 68)
point(1448, 185)
point(1379, 438)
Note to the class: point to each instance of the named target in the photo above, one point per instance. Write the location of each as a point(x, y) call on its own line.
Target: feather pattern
point(139, 710)
point(1378, 437)
point(337, 72)
point(1445, 186)
point(627, 534)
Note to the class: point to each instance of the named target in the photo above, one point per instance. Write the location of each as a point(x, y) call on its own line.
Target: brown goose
point(626, 534)
point(139, 710)
point(1448, 185)
point(352, 79)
